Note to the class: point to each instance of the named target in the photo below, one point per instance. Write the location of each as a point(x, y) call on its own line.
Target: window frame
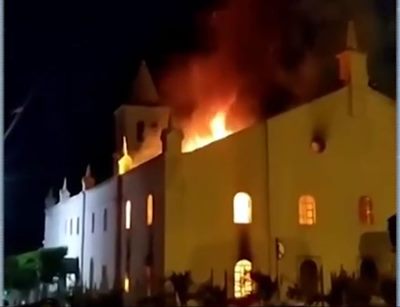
point(307, 210)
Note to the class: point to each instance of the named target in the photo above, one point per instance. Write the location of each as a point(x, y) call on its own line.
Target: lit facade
point(194, 211)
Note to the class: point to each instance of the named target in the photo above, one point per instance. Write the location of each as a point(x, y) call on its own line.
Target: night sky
point(71, 65)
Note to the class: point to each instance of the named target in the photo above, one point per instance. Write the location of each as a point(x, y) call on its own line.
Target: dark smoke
point(271, 54)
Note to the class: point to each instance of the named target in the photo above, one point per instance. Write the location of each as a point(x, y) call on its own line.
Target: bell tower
point(140, 121)
point(353, 72)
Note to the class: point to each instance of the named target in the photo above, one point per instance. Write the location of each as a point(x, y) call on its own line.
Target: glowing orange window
point(365, 211)
point(307, 210)
point(149, 209)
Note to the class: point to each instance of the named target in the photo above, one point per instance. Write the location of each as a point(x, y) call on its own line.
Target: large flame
point(217, 130)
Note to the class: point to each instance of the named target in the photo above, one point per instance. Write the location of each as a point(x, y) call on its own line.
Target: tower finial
point(125, 163)
point(351, 42)
point(88, 172)
point(124, 146)
point(50, 199)
point(64, 187)
point(64, 193)
point(169, 127)
point(87, 180)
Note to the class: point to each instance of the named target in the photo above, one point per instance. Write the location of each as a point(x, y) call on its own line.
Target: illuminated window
point(365, 212)
point(307, 210)
point(128, 214)
point(149, 209)
point(243, 285)
point(126, 284)
point(242, 208)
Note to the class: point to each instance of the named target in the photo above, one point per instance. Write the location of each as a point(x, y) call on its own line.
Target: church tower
point(139, 123)
point(144, 91)
point(353, 72)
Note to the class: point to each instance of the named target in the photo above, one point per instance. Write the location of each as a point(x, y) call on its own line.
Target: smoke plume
point(259, 52)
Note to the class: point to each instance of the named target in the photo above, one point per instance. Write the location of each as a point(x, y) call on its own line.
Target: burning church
point(318, 178)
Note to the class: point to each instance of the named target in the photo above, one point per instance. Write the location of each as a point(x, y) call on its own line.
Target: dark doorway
point(368, 269)
point(309, 279)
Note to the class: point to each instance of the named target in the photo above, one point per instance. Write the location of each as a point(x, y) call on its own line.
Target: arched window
point(91, 274)
point(149, 209)
point(127, 265)
point(93, 221)
point(307, 210)
point(242, 206)
point(128, 209)
point(148, 280)
point(243, 285)
point(126, 284)
point(365, 212)
point(105, 220)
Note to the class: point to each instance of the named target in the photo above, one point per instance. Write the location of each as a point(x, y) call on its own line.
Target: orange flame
point(217, 130)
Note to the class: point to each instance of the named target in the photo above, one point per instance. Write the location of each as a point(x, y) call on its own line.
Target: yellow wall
point(200, 233)
point(194, 191)
point(359, 160)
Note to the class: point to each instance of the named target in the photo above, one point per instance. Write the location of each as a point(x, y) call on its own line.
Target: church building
point(317, 181)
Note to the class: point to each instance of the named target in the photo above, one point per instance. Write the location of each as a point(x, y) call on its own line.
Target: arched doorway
point(309, 277)
point(243, 285)
point(368, 269)
point(91, 274)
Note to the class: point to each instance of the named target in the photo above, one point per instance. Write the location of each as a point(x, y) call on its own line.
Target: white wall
point(100, 244)
point(58, 230)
